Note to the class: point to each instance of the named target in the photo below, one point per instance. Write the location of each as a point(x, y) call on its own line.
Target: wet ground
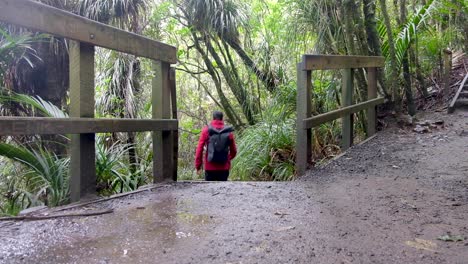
point(386, 201)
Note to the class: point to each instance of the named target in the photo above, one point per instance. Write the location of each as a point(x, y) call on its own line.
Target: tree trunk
point(406, 69)
point(373, 40)
point(235, 85)
point(268, 78)
point(226, 105)
point(132, 155)
point(393, 78)
point(415, 59)
point(348, 8)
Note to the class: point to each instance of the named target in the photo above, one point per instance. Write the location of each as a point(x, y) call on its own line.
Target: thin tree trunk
point(406, 68)
point(393, 78)
point(227, 107)
point(415, 59)
point(132, 156)
point(267, 77)
point(235, 85)
point(373, 40)
point(348, 8)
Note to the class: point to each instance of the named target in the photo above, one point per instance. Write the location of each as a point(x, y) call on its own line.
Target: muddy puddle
point(134, 235)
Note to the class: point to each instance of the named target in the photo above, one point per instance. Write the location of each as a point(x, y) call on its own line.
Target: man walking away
point(220, 149)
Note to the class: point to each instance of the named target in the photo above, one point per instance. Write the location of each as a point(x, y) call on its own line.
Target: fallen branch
point(115, 196)
point(45, 217)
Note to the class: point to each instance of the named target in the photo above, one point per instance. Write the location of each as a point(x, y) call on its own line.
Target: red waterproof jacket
point(209, 166)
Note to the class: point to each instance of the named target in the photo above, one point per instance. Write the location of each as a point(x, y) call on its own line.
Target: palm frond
point(222, 17)
point(46, 174)
point(409, 31)
point(36, 103)
point(122, 13)
point(119, 85)
point(17, 48)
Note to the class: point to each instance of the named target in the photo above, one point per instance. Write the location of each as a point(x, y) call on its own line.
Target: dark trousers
point(216, 175)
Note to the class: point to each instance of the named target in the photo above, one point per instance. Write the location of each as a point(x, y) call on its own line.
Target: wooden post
point(162, 140)
point(175, 134)
point(371, 94)
point(346, 100)
point(303, 135)
point(447, 69)
point(82, 156)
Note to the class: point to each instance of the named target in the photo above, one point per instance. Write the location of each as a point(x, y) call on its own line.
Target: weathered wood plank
point(82, 156)
point(335, 114)
point(162, 140)
point(371, 94)
point(346, 100)
point(51, 20)
point(447, 69)
point(46, 125)
point(463, 94)
point(303, 134)
point(327, 62)
point(175, 133)
point(452, 105)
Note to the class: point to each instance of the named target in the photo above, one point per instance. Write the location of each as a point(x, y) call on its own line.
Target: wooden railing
point(305, 122)
point(84, 35)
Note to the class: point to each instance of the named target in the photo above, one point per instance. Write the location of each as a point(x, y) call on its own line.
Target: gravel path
point(386, 201)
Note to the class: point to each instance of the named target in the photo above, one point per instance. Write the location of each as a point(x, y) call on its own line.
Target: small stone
point(424, 123)
point(463, 133)
point(421, 129)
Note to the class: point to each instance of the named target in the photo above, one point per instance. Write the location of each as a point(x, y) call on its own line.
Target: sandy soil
point(386, 201)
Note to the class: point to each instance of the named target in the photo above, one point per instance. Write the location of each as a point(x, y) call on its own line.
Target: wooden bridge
point(85, 34)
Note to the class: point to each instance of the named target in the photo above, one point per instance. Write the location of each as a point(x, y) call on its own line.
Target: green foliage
point(13, 199)
point(120, 12)
point(45, 176)
point(266, 152)
point(16, 48)
point(266, 149)
point(222, 17)
point(37, 104)
point(112, 169)
point(409, 32)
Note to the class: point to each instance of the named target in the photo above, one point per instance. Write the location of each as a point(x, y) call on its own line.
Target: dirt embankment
point(387, 201)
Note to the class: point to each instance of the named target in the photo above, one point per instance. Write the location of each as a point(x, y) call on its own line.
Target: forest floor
point(397, 198)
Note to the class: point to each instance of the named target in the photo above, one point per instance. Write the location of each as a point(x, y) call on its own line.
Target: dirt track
point(386, 201)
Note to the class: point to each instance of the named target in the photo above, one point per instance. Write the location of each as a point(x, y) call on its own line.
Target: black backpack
point(218, 144)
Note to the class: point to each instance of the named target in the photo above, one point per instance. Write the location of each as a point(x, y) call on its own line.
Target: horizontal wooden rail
point(47, 125)
point(55, 21)
point(327, 62)
point(335, 114)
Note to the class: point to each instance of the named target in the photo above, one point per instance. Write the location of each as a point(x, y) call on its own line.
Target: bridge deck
point(386, 201)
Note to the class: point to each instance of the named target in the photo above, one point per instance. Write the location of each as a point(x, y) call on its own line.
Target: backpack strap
point(212, 130)
point(226, 129)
